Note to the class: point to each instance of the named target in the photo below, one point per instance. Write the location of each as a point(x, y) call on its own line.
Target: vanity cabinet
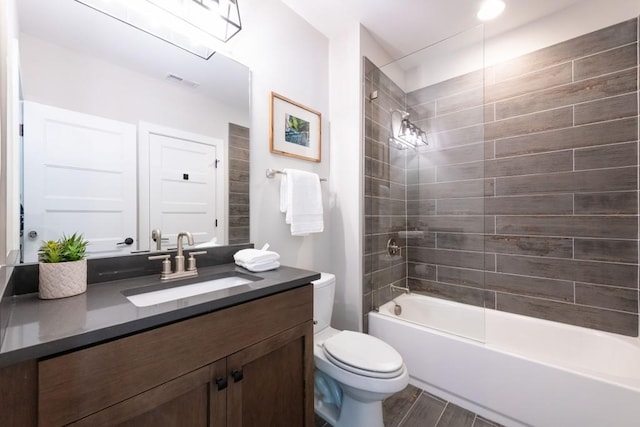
point(247, 365)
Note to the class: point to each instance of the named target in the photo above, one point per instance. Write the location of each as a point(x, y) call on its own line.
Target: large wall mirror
point(127, 139)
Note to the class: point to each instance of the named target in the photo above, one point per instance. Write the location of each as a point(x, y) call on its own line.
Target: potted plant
point(63, 267)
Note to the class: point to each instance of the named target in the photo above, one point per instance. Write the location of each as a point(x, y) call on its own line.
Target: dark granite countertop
point(41, 328)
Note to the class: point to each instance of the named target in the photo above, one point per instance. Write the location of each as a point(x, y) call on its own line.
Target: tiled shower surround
point(528, 198)
point(238, 184)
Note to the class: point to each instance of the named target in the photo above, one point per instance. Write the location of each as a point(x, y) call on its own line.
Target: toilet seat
point(363, 354)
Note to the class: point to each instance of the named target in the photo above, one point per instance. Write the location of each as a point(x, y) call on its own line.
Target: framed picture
point(295, 129)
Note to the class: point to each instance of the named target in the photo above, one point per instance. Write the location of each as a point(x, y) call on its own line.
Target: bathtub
point(516, 370)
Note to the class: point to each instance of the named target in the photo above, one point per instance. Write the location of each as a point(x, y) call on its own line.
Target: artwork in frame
point(295, 129)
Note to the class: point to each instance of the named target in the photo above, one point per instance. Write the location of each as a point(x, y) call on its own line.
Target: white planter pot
point(62, 279)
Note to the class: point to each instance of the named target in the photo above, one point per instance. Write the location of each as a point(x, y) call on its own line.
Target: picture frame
point(296, 130)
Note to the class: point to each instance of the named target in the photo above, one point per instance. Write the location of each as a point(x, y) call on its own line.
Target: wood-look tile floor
point(413, 407)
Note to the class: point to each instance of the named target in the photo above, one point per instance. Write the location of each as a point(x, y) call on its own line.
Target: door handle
point(128, 241)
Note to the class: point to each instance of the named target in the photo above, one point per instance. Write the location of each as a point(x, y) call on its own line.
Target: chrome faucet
point(180, 271)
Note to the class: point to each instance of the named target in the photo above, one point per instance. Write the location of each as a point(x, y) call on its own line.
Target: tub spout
point(404, 289)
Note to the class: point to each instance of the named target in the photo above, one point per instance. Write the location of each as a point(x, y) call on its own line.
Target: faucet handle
point(191, 261)
point(166, 264)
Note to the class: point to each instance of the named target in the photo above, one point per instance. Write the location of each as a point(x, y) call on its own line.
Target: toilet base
point(353, 413)
point(360, 414)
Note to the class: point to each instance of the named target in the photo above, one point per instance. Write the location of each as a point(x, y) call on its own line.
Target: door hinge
point(21, 130)
point(216, 162)
point(216, 222)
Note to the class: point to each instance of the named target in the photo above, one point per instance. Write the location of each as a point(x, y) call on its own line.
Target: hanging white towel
point(301, 195)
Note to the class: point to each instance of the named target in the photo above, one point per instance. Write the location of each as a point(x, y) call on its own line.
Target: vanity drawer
point(78, 384)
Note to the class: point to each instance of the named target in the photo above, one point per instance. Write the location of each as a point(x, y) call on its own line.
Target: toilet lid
point(363, 354)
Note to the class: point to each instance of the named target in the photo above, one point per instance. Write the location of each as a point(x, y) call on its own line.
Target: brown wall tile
point(609, 156)
point(616, 107)
point(589, 317)
point(561, 290)
point(582, 91)
point(460, 101)
point(615, 227)
point(463, 259)
point(466, 295)
point(461, 276)
point(606, 62)
point(548, 204)
point(525, 245)
point(607, 250)
point(622, 203)
point(581, 136)
point(238, 183)
point(618, 179)
point(622, 275)
point(607, 297)
point(558, 161)
point(530, 123)
point(531, 82)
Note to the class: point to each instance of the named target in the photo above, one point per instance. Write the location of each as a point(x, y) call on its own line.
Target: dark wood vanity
point(250, 364)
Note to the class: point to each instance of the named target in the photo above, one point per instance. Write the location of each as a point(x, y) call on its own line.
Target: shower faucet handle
point(393, 248)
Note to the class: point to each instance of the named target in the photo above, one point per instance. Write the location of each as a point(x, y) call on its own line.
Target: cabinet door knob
point(237, 375)
point(221, 383)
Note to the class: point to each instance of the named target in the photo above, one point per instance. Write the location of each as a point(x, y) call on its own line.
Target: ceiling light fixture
point(405, 133)
point(490, 9)
point(197, 26)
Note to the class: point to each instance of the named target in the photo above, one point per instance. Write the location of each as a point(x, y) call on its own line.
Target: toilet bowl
point(355, 372)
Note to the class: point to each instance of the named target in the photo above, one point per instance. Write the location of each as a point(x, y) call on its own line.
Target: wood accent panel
point(19, 394)
point(276, 364)
point(70, 386)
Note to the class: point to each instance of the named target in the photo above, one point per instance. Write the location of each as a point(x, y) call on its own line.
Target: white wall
point(287, 56)
point(65, 78)
point(9, 120)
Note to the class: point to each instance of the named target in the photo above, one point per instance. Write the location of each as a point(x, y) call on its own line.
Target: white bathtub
point(526, 372)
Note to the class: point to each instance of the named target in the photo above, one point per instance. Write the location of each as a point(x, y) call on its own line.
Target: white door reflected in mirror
point(186, 185)
point(79, 176)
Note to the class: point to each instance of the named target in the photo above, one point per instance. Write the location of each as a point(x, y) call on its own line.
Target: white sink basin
point(154, 297)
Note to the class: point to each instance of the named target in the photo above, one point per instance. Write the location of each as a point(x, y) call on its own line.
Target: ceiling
point(399, 26)
point(402, 27)
point(78, 27)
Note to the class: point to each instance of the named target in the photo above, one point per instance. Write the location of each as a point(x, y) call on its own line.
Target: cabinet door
point(191, 400)
point(271, 382)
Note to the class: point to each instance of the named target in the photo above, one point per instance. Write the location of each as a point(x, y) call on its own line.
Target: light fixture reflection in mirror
point(197, 26)
point(405, 133)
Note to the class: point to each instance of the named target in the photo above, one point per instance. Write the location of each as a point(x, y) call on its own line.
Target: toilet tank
point(323, 291)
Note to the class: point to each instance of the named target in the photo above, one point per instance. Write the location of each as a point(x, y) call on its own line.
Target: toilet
point(355, 372)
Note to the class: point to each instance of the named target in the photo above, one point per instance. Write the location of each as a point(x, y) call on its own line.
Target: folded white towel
point(261, 266)
point(253, 256)
point(300, 192)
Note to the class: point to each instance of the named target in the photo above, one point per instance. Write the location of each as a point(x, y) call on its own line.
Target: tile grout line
point(406, 414)
point(441, 414)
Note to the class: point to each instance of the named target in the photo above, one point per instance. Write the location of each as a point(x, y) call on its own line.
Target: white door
point(79, 176)
point(186, 184)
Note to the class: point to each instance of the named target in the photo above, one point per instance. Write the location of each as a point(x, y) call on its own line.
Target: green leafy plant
point(72, 248)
